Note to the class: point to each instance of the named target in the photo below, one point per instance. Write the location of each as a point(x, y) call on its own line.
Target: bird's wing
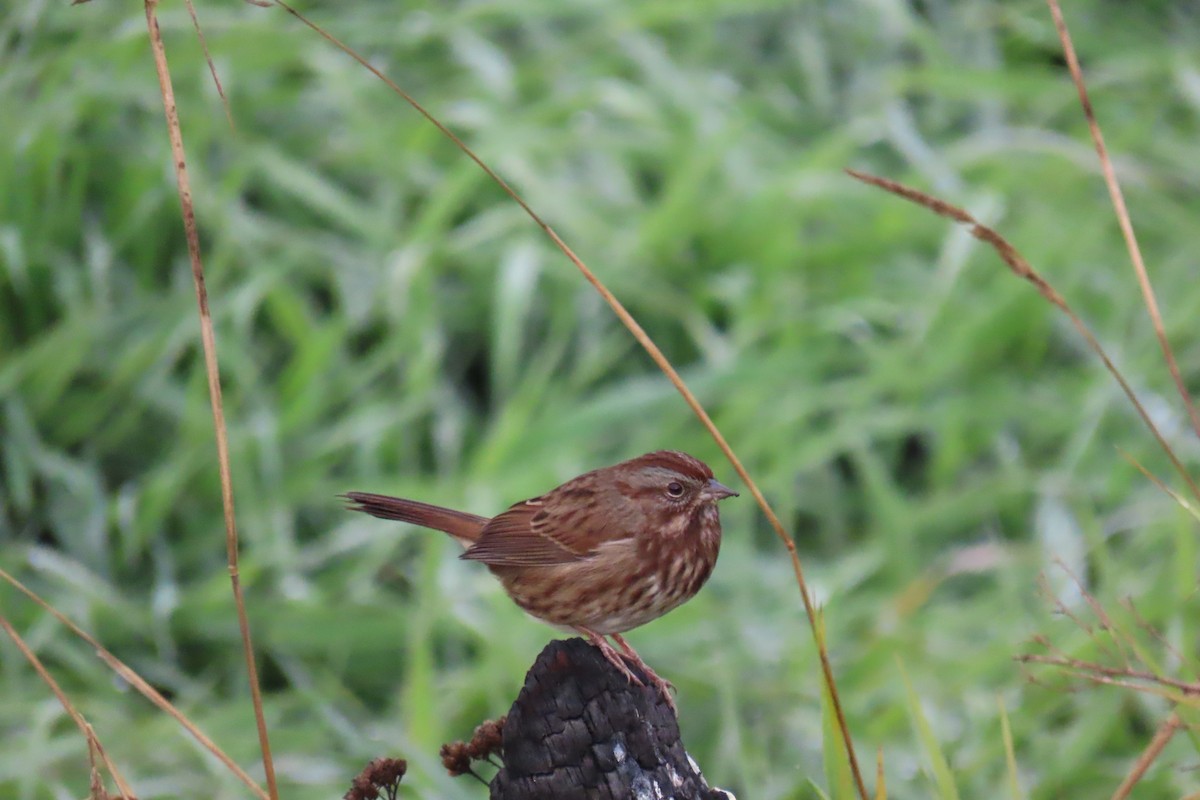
point(539, 534)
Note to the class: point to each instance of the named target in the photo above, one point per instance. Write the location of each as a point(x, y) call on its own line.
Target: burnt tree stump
point(580, 729)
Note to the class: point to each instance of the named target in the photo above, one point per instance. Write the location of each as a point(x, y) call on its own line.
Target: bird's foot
point(611, 655)
point(665, 687)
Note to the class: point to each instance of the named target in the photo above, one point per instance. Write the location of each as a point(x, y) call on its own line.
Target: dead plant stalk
point(208, 339)
point(662, 363)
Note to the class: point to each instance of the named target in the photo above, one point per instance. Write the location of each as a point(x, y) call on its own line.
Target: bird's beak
point(718, 491)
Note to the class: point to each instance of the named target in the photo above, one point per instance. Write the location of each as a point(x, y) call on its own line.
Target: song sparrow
point(601, 554)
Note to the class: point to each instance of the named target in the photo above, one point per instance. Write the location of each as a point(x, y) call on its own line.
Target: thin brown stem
point(1156, 634)
point(88, 733)
point(1183, 502)
point(1022, 269)
point(660, 360)
point(1152, 751)
point(1118, 201)
point(139, 683)
point(1167, 693)
point(212, 68)
point(1187, 687)
point(96, 790)
point(214, 381)
point(1106, 622)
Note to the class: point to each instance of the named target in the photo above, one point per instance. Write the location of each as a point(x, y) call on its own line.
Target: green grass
point(388, 321)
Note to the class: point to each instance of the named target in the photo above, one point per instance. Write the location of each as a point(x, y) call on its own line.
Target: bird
point(601, 554)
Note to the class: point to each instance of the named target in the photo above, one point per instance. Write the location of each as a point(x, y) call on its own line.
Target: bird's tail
point(462, 526)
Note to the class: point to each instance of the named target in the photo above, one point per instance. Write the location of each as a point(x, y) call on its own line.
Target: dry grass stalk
point(208, 339)
point(1022, 269)
point(94, 746)
point(1118, 201)
point(1126, 676)
point(663, 364)
point(139, 683)
point(1161, 737)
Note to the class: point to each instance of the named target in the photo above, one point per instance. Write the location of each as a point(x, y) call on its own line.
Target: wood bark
point(580, 729)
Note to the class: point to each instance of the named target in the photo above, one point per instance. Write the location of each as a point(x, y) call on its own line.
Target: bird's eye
point(675, 489)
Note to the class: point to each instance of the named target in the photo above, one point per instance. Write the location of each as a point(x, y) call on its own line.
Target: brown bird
point(603, 553)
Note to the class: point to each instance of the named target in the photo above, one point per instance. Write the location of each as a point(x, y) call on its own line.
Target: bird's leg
point(611, 655)
point(630, 655)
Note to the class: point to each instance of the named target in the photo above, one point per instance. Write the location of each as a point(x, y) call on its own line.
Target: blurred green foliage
point(934, 433)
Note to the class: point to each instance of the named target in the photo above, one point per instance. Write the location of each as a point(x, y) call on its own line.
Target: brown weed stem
point(208, 339)
point(663, 364)
point(1118, 201)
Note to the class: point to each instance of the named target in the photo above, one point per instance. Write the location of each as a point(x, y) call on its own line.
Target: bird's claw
point(613, 657)
point(627, 658)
